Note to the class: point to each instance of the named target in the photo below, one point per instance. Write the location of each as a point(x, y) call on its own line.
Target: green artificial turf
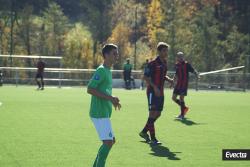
point(52, 128)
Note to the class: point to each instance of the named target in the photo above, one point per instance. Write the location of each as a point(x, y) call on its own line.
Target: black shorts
point(155, 103)
point(181, 92)
point(39, 75)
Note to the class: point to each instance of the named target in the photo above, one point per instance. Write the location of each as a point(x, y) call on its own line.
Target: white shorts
point(103, 128)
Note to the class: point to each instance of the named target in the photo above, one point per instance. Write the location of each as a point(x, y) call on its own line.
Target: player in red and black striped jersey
point(40, 70)
point(155, 76)
point(182, 69)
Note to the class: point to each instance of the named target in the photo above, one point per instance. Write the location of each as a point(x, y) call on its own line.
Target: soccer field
point(51, 128)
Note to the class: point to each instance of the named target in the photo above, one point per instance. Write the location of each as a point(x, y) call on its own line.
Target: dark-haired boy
point(155, 76)
point(100, 87)
point(40, 71)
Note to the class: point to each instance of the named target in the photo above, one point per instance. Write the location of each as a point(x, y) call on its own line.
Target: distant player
point(155, 76)
point(182, 69)
point(100, 87)
point(40, 71)
point(144, 68)
point(127, 69)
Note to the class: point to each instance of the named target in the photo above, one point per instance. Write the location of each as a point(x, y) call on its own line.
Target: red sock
point(182, 107)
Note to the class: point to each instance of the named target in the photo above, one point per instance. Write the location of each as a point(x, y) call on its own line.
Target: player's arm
point(193, 70)
point(147, 77)
point(174, 78)
point(170, 80)
point(197, 74)
point(95, 81)
point(149, 82)
point(99, 94)
point(114, 100)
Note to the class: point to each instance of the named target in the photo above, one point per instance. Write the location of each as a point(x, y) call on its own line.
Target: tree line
point(213, 34)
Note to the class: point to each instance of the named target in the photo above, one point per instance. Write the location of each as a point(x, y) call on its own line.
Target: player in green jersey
point(100, 87)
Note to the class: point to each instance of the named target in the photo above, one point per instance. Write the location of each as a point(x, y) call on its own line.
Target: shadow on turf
point(187, 122)
point(162, 151)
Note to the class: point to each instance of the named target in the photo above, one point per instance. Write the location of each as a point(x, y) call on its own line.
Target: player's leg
point(126, 80)
point(159, 103)
point(142, 83)
point(182, 104)
point(174, 98)
point(105, 132)
point(129, 80)
point(146, 128)
point(184, 108)
point(154, 115)
point(155, 108)
point(103, 153)
point(42, 88)
point(150, 119)
point(37, 81)
point(176, 92)
point(182, 93)
point(133, 82)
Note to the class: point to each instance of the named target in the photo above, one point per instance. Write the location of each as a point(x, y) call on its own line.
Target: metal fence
point(222, 81)
point(79, 77)
point(59, 77)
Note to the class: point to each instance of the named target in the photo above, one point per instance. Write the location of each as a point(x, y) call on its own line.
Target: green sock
point(95, 161)
point(102, 156)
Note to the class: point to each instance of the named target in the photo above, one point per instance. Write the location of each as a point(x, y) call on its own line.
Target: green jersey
point(102, 82)
point(127, 67)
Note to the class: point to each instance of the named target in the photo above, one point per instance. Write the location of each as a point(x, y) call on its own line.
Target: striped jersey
point(156, 70)
point(182, 70)
point(40, 66)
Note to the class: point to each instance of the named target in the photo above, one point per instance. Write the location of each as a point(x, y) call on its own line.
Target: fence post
point(1, 78)
point(227, 81)
point(244, 80)
point(60, 76)
point(196, 83)
point(17, 77)
point(245, 71)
